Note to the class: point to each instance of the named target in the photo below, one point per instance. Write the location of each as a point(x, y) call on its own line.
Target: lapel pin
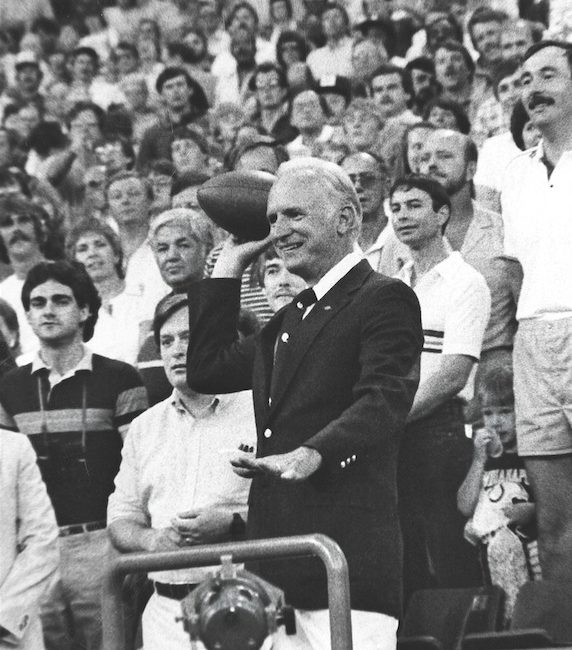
point(327, 307)
point(285, 337)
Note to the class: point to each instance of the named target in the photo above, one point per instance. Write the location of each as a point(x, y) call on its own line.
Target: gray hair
point(330, 174)
point(198, 225)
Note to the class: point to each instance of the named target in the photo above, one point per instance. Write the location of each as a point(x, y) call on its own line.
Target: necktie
point(290, 329)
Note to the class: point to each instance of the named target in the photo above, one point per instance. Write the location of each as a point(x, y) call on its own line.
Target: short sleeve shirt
point(455, 307)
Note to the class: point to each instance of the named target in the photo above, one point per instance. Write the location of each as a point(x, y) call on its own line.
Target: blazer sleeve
point(217, 361)
point(38, 557)
point(391, 340)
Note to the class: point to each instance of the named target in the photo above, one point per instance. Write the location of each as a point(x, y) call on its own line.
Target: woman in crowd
point(120, 325)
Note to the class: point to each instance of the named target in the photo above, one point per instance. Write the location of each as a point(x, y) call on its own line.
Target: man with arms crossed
point(333, 375)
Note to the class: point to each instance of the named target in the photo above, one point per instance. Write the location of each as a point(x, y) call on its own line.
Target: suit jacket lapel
point(322, 312)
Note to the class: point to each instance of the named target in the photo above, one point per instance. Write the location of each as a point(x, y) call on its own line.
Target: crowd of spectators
point(113, 114)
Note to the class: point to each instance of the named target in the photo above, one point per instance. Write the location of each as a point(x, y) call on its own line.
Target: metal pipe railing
point(318, 545)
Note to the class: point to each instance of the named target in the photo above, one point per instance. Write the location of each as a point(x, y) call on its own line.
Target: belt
point(176, 591)
point(76, 529)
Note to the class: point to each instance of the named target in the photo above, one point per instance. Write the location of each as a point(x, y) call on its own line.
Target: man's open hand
point(296, 465)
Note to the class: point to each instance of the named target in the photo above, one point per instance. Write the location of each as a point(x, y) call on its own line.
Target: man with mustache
point(536, 200)
point(22, 245)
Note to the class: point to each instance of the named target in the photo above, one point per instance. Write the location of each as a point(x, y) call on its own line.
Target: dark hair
point(484, 15)
point(166, 307)
point(563, 45)
point(89, 51)
point(291, 37)
point(163, 167)
point(188, 179)
point(264, 68)
point(93, 225)
point(81, 107)
point(72, 275)
point(387, 69)
point(449, 18)
point(503, 70)
point(436, 191)
point(453, 46)
point(518, 120)
point(14, 203)
point(496, 386)
point(423, 63)
point(183, 50)
point(237, 7)
point(44, 24)
point(463, 123)
point(118, 122)
point(45, 137)
point(199, 99)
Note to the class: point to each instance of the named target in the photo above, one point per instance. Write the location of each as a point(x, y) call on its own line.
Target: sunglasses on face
point(13, 220)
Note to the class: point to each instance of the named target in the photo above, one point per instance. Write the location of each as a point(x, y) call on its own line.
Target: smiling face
point(515, 40)
point(546, 83)
point(174, 343)
point(509, 91)
point(414, 220)
point(54, 315)
point(95, 252)
point(309, 224)
point(280, 286)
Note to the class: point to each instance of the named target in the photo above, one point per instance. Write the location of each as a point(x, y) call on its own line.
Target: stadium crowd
point(448, 127)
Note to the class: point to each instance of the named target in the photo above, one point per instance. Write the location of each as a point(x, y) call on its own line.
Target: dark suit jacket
point(345, 391)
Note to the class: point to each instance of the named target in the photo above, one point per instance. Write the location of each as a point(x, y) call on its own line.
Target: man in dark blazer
point(333, 382)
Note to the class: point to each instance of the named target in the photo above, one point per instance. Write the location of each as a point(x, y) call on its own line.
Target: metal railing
point(317, 545)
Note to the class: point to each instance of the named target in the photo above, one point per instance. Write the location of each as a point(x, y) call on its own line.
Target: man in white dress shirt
point(175, 487)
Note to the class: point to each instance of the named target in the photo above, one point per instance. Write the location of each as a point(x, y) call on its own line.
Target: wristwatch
point(237, 527)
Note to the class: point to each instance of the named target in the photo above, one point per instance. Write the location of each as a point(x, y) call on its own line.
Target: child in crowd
point(496, 494)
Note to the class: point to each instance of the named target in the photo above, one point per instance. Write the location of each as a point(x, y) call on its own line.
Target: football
point(236, 201)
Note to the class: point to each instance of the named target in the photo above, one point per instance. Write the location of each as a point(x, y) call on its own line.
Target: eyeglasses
point(16, 219)
point(365, 179)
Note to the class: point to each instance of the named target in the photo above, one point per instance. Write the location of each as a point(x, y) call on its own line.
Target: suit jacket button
point(269, 401)
point(267, 433)
point(354, 458)
point(343, 464)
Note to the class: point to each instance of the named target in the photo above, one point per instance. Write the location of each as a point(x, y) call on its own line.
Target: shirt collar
point(381, 240)
point(446, 268)
point(337, 272)
point(85, 363)
point(179, 405)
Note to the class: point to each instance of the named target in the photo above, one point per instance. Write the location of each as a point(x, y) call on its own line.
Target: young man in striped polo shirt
point(435, 453)
point(75, 407)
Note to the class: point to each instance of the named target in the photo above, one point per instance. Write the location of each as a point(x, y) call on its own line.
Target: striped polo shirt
point(74, 425)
